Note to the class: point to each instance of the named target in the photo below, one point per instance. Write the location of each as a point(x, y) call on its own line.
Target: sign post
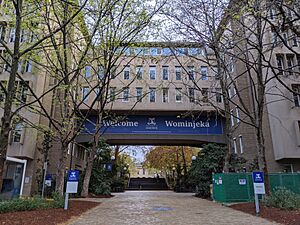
point(72, 185)
point(259, 188)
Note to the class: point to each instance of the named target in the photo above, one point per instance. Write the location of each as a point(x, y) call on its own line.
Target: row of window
point(290, 40)
point(139, 72)
point(158, 51)
point(152, 94)
point(21, 91)
point(288, 64)
point(26, 35)
point(241, 145)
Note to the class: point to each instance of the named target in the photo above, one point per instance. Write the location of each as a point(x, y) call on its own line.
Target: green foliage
point(28, 204)
point(210, 160)
point(236, 163)
point(102, 189)
point(283, 198)
point(100, 179)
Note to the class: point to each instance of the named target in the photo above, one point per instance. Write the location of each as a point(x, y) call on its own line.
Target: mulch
point(47, 216)
point(99, 196)
point(286, 217)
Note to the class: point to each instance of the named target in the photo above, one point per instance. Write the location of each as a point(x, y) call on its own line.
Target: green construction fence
point(238, 187)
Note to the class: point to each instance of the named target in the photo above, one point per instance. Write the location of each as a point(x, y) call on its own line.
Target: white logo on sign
point(258, 176)
point(151, 122)
point(72, 175)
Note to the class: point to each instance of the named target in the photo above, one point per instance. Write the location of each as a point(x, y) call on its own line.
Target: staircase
point(147, 184)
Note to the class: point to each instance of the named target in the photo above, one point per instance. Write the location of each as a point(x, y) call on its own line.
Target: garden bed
point(100, 196)
point(283, 216)
point(47, 216)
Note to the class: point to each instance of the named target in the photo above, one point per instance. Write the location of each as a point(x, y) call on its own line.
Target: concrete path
point(163, 208)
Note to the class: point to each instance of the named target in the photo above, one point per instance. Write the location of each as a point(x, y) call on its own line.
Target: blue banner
point(157, 125)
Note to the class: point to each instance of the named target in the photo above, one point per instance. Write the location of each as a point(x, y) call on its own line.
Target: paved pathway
point(163, 208)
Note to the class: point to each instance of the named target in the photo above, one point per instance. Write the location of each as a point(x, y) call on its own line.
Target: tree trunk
point(87, 176)
point(60, 177)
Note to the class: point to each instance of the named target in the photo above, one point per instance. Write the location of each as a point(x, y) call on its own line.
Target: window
point(216, 73)
point(2, 32)
point(205, 94)
point(232, 117)
point(219, 98)
point(274, 37)
point(193, 51)
point(285, 38)
point(100, 72)
point(234, 146)
point(234, 91)
point(203, 72)
point(24, 35)
point(230, 66)
point(97, 94)
point(241, 144)
point(138, 51)
point(126, 94)
point(112, 72)
point(22, 91)
point(152, 94)
point(229, 92)
point(87, 71)
point(178, 94)
point(279, 59)
point(146, 51)
point(112, 93)
point(180, 51)
point(139, 72)
point(290, 64)
point(165, 73)
point(139, 94)
point(12, 34)
point(153, 51)
point(165, 95)
point(192, 94)
point(126, 72)
point(85, 94)
point(166, 51)
point(237, 111)
point(295, 41)
point(178, 72)
point(191, 73)
point(296, 94)
point(28, 66)
point(152, 72)
point(17, 132)
point(2, 93)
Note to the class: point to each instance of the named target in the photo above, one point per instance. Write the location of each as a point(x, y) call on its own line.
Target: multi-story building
point(20, 172)
point(281, 69)
point(166, 85)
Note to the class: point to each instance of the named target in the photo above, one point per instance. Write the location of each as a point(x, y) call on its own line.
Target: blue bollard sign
point(73, 176)
point(258, 182)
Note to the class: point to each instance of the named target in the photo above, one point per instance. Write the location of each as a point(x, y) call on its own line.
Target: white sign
point(72, 187)
point(259, 188)
point(48, 183)
point(242, 181)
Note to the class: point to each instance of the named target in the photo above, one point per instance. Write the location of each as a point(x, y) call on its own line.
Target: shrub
point(283, 198)
point(102, 189)
point(28, 204)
